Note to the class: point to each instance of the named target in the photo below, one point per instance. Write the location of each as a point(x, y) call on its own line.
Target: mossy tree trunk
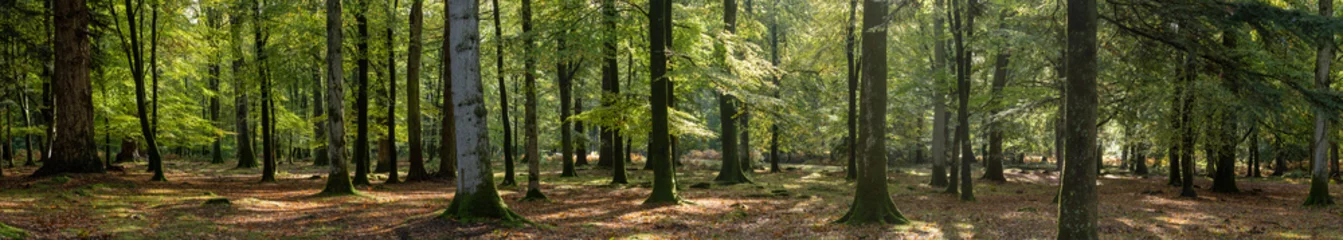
point(416, 158)
point(529, 114)
point(1078, 201)
point(1319, 172)
point(731, 171)
point(338, 179)
point(476, 198)
point(659, 148)
point(872, 200)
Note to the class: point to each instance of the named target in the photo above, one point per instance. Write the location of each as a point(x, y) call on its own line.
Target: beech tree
point(872, 200)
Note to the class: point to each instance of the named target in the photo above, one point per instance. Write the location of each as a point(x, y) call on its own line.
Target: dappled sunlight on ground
point(800, 203)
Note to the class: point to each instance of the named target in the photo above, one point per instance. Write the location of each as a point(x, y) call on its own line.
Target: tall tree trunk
point(417, 171)
point(1224, 180)
point(361, 147)
point(660, 146)
point(387, 154)
point(1078, 202)
point(611, 96)
point(731, 171)
point(267, 103)
point(1187, 136)
point(581, 143)
point(963, 23)
point(993, 164)
point(74, 150)
point(476, 196)
point(774, 153)
point(503, 100)
point(940, 114)
point(338, 179)
point(566, 100)
point(448, 130)
point(529, 114)
point(320, 158)
point(872, 200)
point(1319, 172)
point(246, 156)
point(216, 149)
point(852, 139)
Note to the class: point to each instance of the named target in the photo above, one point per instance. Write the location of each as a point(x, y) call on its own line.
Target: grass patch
point(9, 232)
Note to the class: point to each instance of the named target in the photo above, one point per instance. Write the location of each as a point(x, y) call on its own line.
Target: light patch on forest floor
point(796, 204)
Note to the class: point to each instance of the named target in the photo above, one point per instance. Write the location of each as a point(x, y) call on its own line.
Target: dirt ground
point(799, 203)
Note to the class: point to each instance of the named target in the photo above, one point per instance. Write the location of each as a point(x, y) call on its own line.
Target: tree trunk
point(581, 146)
point(964, 30)
point(74, 150)
point(529, 114)
point(993, 165)
point(852, 139)
point(872, 200)
point(448, 131)
point(476, 196)
point(1319, 174)
point(417, 171)
point(1224, 180)
point(1078, 202)
point(338, 180)
point(503, 100)
point(731, 171)
point(1187, 136)
point(940, 114)
point(246, 157)
point(774, 153)
point(660, 146)
point(361, 147)
point(562, 69)
point(267, 104)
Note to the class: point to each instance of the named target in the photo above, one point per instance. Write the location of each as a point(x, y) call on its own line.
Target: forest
point(670, 119)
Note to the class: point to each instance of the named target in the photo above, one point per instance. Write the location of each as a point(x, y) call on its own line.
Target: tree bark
point(361, 147)
point(503, 100)
point(872, 200)
point(731, 171)
point(562, 69)
point(73, 148)
point(267, 104)
point(660, 146)
point(1319, 174)
point(963, 23)
point(476, 197)
point(417, 171)
point(993, 165)
point(338, 180)
point(940, 114)
point(448, 131)
point(852, 139)
point(529, 114)
point(246, 157)
point(1078, 202)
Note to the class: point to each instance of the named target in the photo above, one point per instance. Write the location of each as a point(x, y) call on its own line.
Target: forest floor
point(799, 203)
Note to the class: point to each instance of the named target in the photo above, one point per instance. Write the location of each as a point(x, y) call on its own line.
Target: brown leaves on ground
point(795, 204)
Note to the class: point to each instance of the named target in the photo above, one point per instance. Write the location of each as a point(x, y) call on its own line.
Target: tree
point(940, 114)
point(361, 148)
point(565, 71)
point(774, 154)
point(964, 30)
point(1319, 172)
point(133, 47)
point(993, 162)
point(852, 139)
point(417, 172)
point(476, 198)
point(732, 170)
point(1078, 201)
point(529, 115)
point(387, 154)
point(503, 100)
point(872, 200)
point(267, 104)
point(1225, 140)
point(246, 158)
point(338, 180)
point(447, 168)
point(611, 152)
point(73, 148)
point(1186, 109)
point(659, 148)
point(216, 150)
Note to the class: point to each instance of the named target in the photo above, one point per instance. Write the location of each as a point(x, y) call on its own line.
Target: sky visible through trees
point(996, 119)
